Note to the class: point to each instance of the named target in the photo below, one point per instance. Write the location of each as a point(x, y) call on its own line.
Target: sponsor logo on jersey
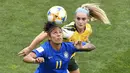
point(40, 49)
point(66, 55)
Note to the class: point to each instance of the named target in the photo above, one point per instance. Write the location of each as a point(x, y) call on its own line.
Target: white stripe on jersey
point(68, 30)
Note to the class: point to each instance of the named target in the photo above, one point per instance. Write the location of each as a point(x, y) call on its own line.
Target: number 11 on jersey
point(58, 64)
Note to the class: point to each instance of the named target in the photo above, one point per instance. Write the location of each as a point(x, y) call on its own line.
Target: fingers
point(39, 60)
point(78, 43)
point(22, 53)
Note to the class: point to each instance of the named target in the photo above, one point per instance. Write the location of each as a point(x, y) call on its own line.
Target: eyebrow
point(78, 18)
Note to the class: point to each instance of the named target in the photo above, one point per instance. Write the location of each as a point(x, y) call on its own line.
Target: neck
point(55, 45)
point(80, 30)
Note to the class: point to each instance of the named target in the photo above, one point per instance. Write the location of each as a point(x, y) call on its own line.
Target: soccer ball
point(57, 14)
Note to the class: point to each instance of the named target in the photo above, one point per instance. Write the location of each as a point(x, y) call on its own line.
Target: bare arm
point(37, 40)
point(33, 44)
point(86, 47)
point(31, 58)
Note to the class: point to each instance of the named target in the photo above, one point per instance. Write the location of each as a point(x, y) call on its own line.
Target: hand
point(24, 52)
point(89, 46)
point(86, 47)
point(78, 44)
point(39, 60)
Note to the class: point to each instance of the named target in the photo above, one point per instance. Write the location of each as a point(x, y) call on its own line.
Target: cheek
point(86, 21)
point(76, 20)
point(51, 37)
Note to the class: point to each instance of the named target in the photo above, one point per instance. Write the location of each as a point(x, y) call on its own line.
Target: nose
point(59, 34)
point(80, 21)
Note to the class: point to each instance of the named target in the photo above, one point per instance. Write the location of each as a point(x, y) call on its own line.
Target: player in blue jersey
point(53, 56)
point(79, 29)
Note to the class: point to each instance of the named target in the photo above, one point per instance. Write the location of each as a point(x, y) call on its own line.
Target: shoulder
point(42, 49)
point(68, 30)
point(44, 46)
point(67, 44)
point(69, 26)
point(88, 25)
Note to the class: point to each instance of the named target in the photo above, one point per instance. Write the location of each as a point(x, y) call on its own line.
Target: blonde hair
point(96, 12)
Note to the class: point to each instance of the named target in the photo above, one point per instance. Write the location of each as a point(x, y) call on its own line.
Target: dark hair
point(49, 26)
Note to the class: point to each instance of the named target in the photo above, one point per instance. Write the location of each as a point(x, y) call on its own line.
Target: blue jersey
point(56, 61)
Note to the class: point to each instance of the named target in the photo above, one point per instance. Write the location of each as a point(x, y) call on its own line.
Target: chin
point(81, 27)
point(57, 43)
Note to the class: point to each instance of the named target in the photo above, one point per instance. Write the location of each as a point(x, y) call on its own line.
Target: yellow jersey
point(71, 35)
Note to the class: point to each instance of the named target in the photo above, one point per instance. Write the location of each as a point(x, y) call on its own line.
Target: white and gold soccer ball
point(57, 14)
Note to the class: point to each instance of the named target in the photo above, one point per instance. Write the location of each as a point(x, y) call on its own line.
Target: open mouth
point(80, 25)
point(59, 38)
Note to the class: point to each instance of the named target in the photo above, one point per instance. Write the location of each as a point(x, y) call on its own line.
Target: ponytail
point(96, 13)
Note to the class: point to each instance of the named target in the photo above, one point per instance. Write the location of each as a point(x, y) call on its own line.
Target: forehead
point(81, 14)
point(56, 29)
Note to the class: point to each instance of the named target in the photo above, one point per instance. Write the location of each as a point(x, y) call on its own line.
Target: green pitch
point(22, 20)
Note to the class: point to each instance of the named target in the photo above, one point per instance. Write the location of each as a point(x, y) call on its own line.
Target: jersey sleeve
point(39, 51)
point(68, 30)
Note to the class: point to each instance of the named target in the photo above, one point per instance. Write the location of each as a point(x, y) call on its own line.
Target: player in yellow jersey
point(79, 30)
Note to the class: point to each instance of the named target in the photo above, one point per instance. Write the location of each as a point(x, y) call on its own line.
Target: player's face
point(56, 36)
point(81, 19)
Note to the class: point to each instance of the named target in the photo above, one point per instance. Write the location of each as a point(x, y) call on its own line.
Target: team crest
point(66, 55)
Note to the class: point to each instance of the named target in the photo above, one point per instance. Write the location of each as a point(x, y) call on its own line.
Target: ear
point(49, 38)
point(74, 18)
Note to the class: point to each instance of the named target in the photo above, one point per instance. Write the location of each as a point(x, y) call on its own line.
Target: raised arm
point(33, 44)
point(31, 58)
